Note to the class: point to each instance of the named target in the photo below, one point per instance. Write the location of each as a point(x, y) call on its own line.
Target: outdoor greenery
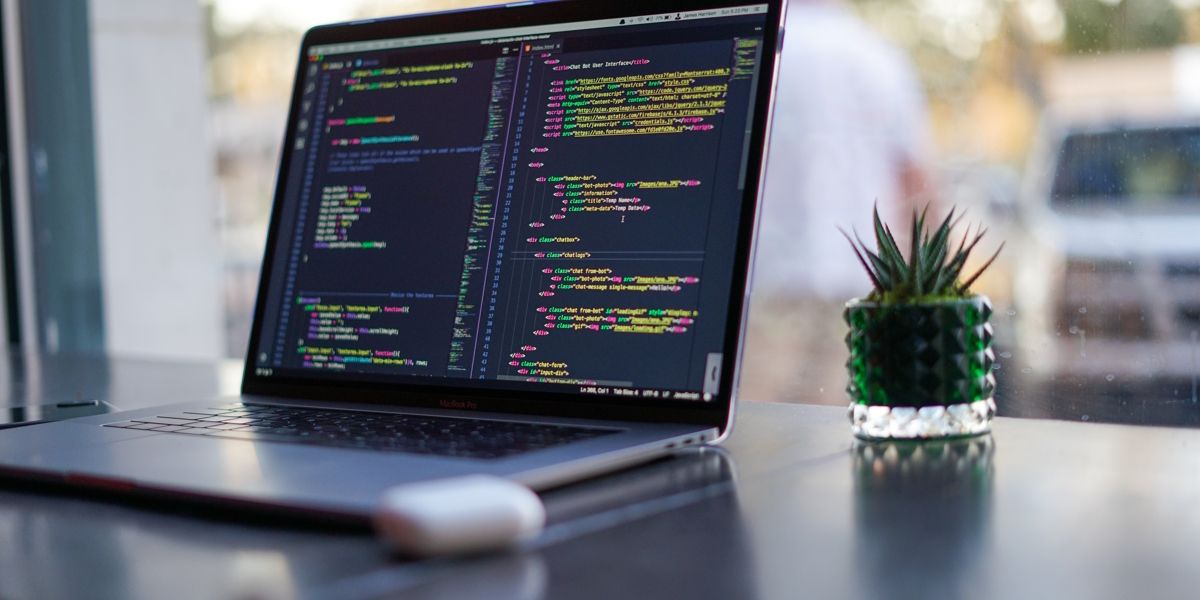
point(931, 271)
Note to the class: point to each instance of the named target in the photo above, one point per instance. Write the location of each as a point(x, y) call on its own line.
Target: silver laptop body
point(533, 222)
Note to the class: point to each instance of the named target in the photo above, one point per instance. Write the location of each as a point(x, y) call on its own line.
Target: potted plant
point(920, 343)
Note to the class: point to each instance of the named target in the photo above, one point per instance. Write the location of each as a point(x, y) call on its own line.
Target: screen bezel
point(445, 394)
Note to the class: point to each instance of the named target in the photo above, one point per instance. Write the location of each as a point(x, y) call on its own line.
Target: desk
point(792, 507)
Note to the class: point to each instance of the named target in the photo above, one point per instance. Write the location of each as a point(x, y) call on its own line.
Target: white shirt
point(848, 118)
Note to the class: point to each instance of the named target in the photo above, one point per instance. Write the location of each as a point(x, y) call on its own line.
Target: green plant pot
point(920, 370)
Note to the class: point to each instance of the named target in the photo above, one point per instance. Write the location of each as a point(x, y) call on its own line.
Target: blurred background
point(1069, 128)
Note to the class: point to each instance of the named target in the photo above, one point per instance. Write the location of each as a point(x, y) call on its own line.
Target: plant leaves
point(969, 281)
point(862, 261)
point(933, 264)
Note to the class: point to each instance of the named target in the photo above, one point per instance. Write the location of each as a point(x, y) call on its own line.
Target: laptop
point(512, 241)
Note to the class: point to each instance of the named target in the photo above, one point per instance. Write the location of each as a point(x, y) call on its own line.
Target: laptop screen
point(542, 208)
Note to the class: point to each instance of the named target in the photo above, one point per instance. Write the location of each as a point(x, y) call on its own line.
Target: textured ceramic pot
point(920, 370)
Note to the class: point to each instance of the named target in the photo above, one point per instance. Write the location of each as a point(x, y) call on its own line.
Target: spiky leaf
point(932, 268)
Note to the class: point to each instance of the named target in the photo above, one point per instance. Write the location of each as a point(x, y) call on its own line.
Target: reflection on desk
point(687, 499)
point(793, 507)
point(63, 546)
point(907, 492)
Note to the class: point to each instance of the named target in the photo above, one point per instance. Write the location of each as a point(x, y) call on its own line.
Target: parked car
point(1107, 277)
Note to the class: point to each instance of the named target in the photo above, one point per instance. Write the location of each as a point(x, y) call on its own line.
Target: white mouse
point(473, 513)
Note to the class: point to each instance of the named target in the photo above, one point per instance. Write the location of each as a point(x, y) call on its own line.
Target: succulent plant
point(931, 271)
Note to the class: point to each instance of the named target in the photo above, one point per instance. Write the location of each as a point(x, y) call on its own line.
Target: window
point(1069, 128)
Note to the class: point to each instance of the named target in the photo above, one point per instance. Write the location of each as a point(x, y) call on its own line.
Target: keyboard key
point(250, 436)
point(159, 421)
point(162, 420)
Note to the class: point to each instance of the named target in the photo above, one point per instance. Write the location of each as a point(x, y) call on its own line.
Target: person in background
point(849, 133)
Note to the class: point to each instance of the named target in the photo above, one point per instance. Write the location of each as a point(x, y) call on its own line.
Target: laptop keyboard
point(387, 432)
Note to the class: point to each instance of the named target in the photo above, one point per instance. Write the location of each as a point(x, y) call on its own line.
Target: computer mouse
point(458, 515)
